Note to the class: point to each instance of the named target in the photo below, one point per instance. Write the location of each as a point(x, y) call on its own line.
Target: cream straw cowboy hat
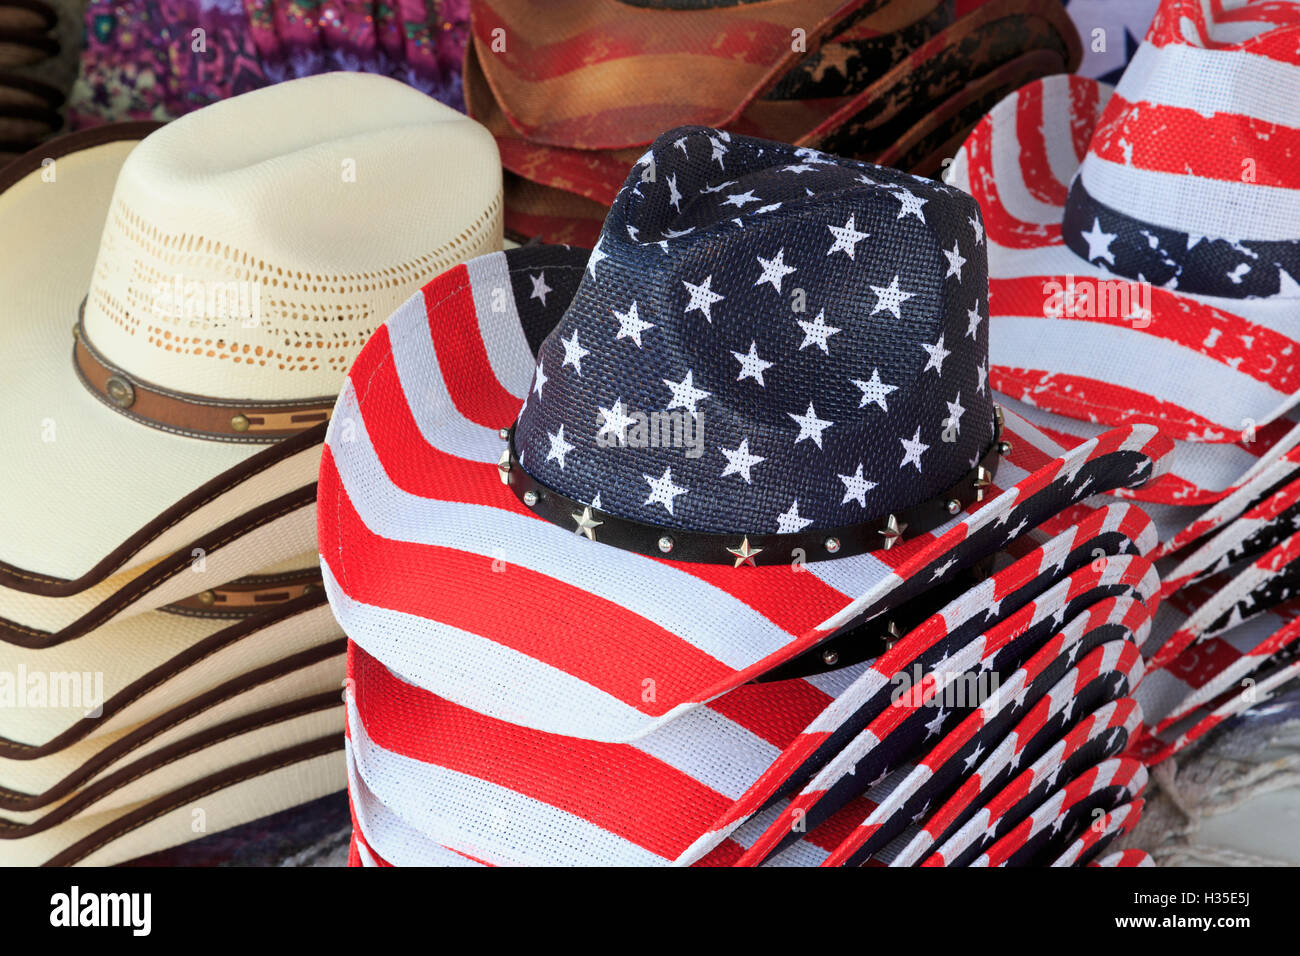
point(219, 277)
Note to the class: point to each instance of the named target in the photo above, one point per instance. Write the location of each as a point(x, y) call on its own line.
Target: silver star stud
point(559, 447)
point(955, 261)
point(892, 531)
point(630, 325)
point(810, 426)
point(685, 394)
point(662, 490)
point(774, 270)
point(913, 449)
point(874, 391)
point(702, 298)
point(890, 297)
point(856, 487)
point(751, 366)
point(540, 288)
point(587, 525)
point(739, 460)
point(745, 554)
point(816, 332)
point(792, 521)
point(846, 238)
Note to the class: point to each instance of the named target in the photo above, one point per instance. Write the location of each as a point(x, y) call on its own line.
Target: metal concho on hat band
point(192, 415)
point(738, 549)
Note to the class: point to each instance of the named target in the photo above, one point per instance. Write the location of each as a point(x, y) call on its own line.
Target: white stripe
point(1057, 134)
point(499, 326)
point(1213, 81)
point(470, 671)
point(425, 391)
point(482, 819)
point(707, 617)
point(1168, 371)
point(384, 830)
point(1004, 155)
point(1186, 203)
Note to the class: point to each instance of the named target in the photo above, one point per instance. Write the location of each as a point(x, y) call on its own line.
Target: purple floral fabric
point(159, 59)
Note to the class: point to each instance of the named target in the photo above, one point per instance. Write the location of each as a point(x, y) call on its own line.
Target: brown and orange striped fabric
point(573, 90)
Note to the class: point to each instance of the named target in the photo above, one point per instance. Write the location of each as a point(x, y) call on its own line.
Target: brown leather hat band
point(192, 415)
point(248, 595)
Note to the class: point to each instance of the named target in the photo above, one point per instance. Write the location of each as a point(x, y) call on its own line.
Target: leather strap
point(229, 420)
point(738, 550)
point(249, 595)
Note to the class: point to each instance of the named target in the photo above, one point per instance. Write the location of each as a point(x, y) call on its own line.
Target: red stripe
point(613, 786)
point(1035, 167)
point(1000, 225)
point(1167, 28)
point(1145, 136)
point(462, 356)
point(777, 712)
point(545, 619)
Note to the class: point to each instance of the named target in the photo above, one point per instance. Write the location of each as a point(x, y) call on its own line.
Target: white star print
point(982, 373)
point(973, 315)
point(975, 755)
point(739, 199)
point(702, 297)
point(674, 196)
point(955, 412)
point(751, 366)
point(937, 354)
point(913, 449)
point(540, 288)
point(810, 426)
point(617, 421)
point(739, 460)
point(890, 297)
point(816, 332)
point(790, 522)
point(856, 487)
point(539, 380)
point(718, 188)
point(955, 261)
point(573, 353)
point(559, 447)
point(1099, 242)
point(978, 227)
point(630, 326)
point(846, 238)
point(774, 270)
point(910, 203)
point(596, 256)
point(685, 394)
point(719, 151)
point(935, 725)
point(797, 168)
point(874, 390)
point(662, 490)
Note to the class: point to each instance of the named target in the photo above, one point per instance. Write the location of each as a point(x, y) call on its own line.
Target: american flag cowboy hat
point(515, 560)
point(1144, 258)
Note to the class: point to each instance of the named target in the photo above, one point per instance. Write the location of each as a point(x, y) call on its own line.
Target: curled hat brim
point(434, 567)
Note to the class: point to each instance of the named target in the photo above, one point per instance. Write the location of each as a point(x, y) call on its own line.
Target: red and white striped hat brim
point(1008, 807)
point(427, 773)
point(1111, 670)
point(440, 572)
point(1101, 833)
point(1206, 368)
point(1119, 775)
point(819, 798)
point(981, 801)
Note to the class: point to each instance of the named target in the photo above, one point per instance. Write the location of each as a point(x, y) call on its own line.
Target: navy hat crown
point(767, 340)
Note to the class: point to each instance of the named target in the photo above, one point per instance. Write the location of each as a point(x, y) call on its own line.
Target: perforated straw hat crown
point(246, 253)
